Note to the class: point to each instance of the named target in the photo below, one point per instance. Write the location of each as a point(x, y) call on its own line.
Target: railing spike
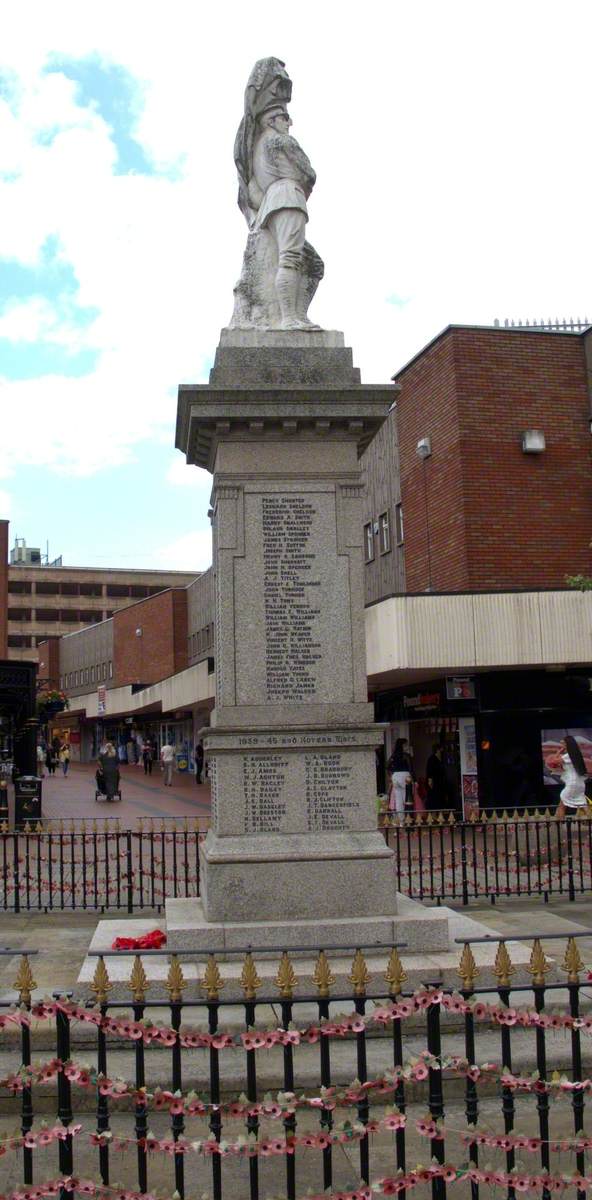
point(359, 975)
point(212, 982)
point(138, 981)
point(538, 964)
point(286, 979)
point(101, 984)
point(322, 977)
point(24, 982)
point(467, 969)
point(250, 981)
point(572, 962)
point(395, 974)
point(503, 968)
point(175, 981)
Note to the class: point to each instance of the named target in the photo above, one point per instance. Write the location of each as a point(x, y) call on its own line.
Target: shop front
point(495, 731)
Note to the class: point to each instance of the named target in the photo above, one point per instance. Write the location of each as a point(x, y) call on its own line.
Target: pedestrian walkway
point(72, 797)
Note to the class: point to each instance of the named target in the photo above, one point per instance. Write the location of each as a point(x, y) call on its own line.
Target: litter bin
point(27, 800)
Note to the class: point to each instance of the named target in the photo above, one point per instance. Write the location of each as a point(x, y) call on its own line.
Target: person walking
point(109, 768)
point(437, 790)
point(199, 762)
point(147, 756)
point(399, 765)
point(50, 759)
point(167, 758)
point(570, 761)
point(40, 761)
point(65, 757)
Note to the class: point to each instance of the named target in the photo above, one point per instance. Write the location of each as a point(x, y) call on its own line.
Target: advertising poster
point(550, 745)
point(468, 765)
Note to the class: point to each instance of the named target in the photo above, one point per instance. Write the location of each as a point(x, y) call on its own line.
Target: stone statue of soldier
point(281, 270)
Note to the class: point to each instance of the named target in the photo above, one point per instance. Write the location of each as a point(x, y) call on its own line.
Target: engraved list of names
point(292, 602)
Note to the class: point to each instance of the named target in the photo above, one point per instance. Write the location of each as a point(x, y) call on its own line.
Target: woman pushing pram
point(107, 773)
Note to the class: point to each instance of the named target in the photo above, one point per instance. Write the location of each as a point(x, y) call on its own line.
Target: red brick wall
point(49, 662)
point(162, 648)
point(3, 588)
point(498, 518)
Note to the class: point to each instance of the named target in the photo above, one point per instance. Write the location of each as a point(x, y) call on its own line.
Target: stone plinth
point(292, 746)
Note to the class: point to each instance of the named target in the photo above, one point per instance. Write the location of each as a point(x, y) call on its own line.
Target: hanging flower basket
point(50, 703)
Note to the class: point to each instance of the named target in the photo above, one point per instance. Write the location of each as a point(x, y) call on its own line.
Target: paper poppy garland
point(191, 1104)
point(256, 1039)
point(520, 1181)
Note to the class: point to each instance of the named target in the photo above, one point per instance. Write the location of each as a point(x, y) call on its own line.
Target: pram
point(101, 791)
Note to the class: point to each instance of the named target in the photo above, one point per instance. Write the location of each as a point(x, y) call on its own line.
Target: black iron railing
point(439, 858)
point(98, 866)
point(273, 1090)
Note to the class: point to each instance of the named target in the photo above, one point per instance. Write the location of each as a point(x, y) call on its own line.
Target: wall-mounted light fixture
point(533, 441)
point(424, 448)
point(139, 631)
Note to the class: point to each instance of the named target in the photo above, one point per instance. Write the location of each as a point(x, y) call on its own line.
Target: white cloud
point(187, 552)
point(5, 505)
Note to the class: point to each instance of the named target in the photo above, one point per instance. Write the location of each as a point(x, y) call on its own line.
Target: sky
point(451, 147)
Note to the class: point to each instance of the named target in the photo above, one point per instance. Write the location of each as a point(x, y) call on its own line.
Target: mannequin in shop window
point(400, 770)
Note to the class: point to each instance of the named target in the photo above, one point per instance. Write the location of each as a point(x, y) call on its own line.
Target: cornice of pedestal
point(208, 415)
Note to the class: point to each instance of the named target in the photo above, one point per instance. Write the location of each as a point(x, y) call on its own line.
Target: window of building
point(369, 542)
point(86, 674)
point(108, 614)
point(47, 588)
point(19, 587)
point(110, 670)
point(399, 524)
point(118, 589)
point(153, 591)
point(42, 637)
point(92, 674)
point(19, 614)
point(70, 589)
point(89, 617)
point(384, 532)
point(46, 614)
point(91, 589)
point(139, 590)
point(16, 640)
point(69, 614)
point(104, 670)
point(76, 679)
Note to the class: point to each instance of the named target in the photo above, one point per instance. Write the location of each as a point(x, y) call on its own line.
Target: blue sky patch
point(25, 360)
point(116, 96)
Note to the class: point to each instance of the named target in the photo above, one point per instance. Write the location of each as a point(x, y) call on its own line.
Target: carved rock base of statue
point(255, 297)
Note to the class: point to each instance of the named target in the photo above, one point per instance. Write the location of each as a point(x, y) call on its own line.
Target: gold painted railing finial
point(572, 962)
point(175, 981)
point(467, 969)
point(24, 982)
point(538, 964)
point(138, 981)
point(250, 981)
point(503, 969)
point(101, 984)
point(286, 979)
point(322, 978)
point(212, 982)
point(395, 974)
point(359, 975)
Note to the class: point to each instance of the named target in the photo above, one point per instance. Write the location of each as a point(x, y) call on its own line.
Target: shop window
point(399, 524)
point(368, 542)
point(384, 532)
point(19, 614)
point(48, 588)
point(19, 587)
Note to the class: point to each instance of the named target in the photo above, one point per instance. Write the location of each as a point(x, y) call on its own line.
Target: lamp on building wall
point(533, 441)
point(139, 631)
point(423, 451)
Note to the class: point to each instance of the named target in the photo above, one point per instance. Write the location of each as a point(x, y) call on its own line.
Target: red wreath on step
point(148, 941)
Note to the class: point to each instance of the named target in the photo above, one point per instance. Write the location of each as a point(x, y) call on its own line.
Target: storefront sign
point(460, 687)
point(423, 700)
point(101, 700)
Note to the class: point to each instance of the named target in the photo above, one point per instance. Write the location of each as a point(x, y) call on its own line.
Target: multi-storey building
point(48, 601)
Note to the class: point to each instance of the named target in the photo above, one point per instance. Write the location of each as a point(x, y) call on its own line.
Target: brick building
point(47, 601)
point(479, 505)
